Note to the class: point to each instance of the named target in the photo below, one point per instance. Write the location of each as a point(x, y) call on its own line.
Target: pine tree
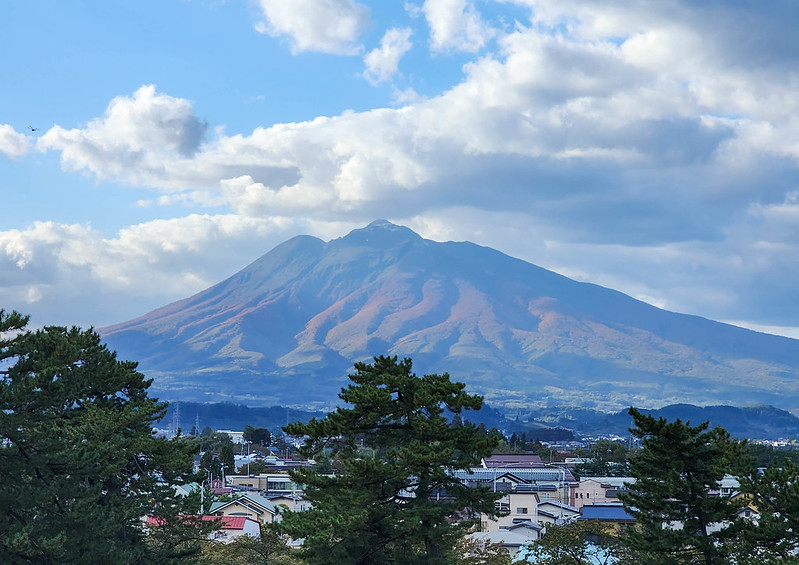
point(679, 519)
point(397, 500)
point(775, 494)
point(79, 466)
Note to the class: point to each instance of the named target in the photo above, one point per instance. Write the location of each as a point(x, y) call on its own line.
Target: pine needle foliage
point(395, 500)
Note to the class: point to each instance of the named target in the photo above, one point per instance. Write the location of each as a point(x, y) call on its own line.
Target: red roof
point(227, 522)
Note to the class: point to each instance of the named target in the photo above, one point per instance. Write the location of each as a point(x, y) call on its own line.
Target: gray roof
point(249, 498)
point(528, 524)
point(513, 460)
point(548, 474)
point(504, 537)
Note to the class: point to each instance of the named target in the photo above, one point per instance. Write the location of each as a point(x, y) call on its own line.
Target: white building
point(235, 437)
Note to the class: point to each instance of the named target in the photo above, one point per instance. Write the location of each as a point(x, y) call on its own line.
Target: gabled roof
point(556, 504)
point(527, 524)
point(508, 476)
point(251, 500)
point(229, 522)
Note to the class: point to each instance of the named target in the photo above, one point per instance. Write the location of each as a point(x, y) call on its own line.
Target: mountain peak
point(381, 233)
point(288, 328)
point(382, 224)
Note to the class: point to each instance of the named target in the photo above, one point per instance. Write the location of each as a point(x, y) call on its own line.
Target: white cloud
point(456, 24)
point(12, 143)
point(327, 26)
point(405, 96)
point(623, 142)
point(155, 140)
point(383, 62)
point(53, 271)
point(133, 139)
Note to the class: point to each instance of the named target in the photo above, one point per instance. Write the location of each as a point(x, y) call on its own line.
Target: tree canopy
point(680, 519)
point(396, 500)
point(257, 436)
point(79, 466)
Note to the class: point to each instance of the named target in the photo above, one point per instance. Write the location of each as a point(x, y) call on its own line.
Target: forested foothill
point(83, 478)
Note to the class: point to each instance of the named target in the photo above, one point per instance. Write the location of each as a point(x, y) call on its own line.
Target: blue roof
point(609, 512)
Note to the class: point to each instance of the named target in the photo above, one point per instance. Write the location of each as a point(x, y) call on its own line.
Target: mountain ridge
point(301, 314)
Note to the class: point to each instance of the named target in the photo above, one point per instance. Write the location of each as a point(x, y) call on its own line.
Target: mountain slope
point(287, 328)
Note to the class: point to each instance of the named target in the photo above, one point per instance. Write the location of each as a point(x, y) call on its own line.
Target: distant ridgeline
point(230, 416)
point(544, 424)
point(753, 422)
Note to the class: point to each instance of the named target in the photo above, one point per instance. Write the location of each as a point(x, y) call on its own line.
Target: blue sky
point(651, 147)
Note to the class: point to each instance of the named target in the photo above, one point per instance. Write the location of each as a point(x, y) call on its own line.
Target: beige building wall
point(512, 506)
point(589, 491)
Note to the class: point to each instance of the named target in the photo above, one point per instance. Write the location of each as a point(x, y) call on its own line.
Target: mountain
point(287, 329)
point(753, 422)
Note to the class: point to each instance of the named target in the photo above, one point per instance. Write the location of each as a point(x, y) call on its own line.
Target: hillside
point(287, 328)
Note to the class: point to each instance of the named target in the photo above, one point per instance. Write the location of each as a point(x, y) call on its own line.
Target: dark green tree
point(254, 468)
point(585, 542)
point(210, 463)
point(79, 466)
point(258, 436)
point(606, 459)
point(396, 500)
point(214, 441)
point(271, 549)
point(227, 459)
point(679, 519)
point(774, 493)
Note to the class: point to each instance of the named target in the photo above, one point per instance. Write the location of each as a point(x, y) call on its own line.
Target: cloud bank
point(646, 148)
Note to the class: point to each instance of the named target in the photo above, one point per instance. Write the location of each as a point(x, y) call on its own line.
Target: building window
point(521, 511)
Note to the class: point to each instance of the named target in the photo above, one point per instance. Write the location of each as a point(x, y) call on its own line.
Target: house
point(618, 483)
point(295, 503)
point(552, 482)
point(233, 527)
point(554, 512)
point(512, 542)
point(186, 489)
point(591, 491)
point(230, 527)
point(529, 529)
point(269, 483)
point(612, 514)
point(728, 485)
point(512, 508)
point(235, 437)
point(250, 505)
